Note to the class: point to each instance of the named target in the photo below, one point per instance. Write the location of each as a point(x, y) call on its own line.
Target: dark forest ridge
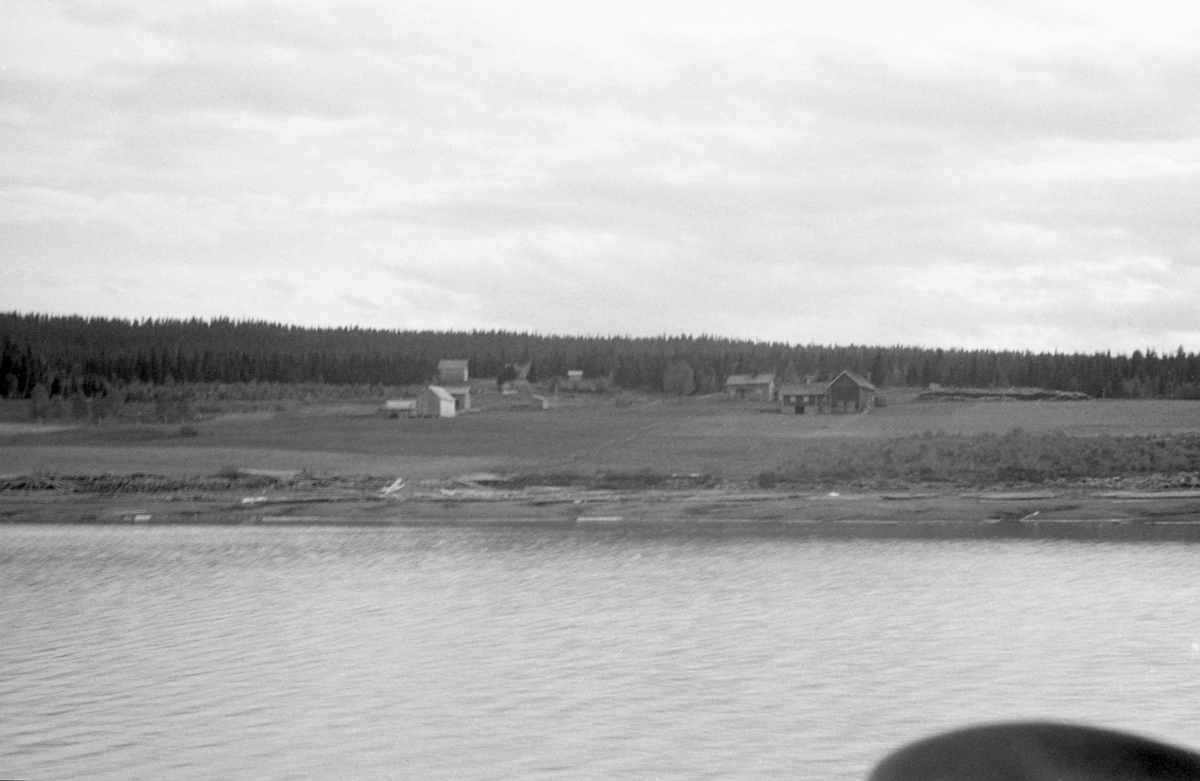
point(90, 353)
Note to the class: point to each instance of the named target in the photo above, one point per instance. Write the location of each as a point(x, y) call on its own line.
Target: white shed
point(435, 402)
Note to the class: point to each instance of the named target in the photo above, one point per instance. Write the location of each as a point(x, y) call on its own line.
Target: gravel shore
point(1069, 512)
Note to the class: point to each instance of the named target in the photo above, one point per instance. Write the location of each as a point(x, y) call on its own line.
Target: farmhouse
point(848, 391)
point(759, 387)
point(452, 371)
point(852, 391)
point(794, 397)
point(435, 402)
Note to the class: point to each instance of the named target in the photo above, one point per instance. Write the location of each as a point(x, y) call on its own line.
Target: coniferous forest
point(90, 355)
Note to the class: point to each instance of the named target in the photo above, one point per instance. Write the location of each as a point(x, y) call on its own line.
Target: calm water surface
point(316, 653)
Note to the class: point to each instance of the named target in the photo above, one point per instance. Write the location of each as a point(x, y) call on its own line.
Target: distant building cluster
point(450, 393)
point(848, 392)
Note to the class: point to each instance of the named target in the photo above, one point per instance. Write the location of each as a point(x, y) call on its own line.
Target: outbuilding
point(453, 371)
point(462, 396)
point(398, 407)
point(851, 391)
point(760, 387)
point(435, 402)
point(795, 397)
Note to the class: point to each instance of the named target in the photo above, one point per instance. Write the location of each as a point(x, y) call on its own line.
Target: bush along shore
point(990, 460)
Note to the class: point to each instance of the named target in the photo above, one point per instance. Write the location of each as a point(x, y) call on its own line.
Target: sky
point(980, 174)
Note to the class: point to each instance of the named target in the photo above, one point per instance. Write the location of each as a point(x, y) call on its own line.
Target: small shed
point(575, 381)
point(759, 387)
point(851, 391)
point(397, 407)
point(452, 371)
point(435, 402)
point(462, 396)
point(798, 397)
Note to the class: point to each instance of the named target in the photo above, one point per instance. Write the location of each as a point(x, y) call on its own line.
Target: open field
point(943, 468)
point(736, 441)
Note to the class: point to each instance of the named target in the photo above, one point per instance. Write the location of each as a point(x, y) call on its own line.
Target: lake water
point(357, 653)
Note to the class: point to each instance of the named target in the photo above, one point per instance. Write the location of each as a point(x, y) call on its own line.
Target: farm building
point(435, 402)
point(575, 381)
point(851, 391)
point(398, 407)
point(797, 398)
point(452, 371)
point(461, 394)
point(759, 387)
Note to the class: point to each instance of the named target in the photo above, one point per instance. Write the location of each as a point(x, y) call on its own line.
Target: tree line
point(73, 355)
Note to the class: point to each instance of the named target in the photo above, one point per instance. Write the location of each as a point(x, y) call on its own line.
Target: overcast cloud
point(997, 173)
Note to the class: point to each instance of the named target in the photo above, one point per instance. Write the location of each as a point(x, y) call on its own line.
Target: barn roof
point(858, 379)
point(805, 389)
point(750, 379)
point(441, 393)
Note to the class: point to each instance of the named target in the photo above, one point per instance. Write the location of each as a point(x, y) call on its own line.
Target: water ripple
point(160, 653)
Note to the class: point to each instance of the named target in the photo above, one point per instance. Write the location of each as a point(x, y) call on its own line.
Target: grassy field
point(590, 434)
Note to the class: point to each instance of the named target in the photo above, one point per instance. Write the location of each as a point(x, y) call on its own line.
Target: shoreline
point(924, 512)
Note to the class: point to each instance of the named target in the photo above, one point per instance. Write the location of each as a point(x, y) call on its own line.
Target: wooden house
point(751, 387)
point(435, 402)
point(851, 391)
point(798, 397)
point(452, 371)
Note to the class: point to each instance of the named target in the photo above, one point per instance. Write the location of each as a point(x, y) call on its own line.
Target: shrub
point(644, 478)
point(986, 459)
point(768, 479)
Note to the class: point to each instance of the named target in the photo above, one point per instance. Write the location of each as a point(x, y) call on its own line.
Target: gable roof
point(452, 364)
point(750, 379)
point(858, 380)
point(440, 392)
point(805, 389)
